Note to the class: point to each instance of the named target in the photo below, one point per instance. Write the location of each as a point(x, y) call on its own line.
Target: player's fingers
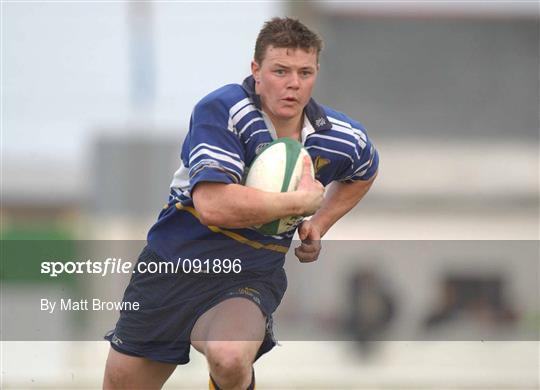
point(308, 251)
point(314, 236)
point(306, 170)
point(303, 230)
point(310, 246)
point(305, 257)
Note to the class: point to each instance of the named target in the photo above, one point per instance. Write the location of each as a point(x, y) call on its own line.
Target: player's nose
point(294, 81)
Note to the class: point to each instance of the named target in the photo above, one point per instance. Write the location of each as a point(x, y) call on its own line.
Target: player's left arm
point(349, 187)
point(340, 198)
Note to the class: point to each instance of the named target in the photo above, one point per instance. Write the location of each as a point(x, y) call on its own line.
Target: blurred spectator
point(372, 309)
point(472, 298)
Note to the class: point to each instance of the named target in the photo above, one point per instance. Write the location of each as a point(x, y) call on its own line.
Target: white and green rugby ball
point(278, 168)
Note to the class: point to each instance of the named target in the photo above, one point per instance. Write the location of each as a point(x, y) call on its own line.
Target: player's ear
point(255, 70)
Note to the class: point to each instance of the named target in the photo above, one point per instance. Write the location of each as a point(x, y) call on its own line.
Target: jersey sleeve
point(365, 161)
point(212, 151)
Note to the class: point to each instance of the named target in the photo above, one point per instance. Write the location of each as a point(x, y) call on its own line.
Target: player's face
point(284, 80)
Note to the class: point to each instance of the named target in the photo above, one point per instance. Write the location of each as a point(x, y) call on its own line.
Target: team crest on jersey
point(320, 163)
point(320, 121)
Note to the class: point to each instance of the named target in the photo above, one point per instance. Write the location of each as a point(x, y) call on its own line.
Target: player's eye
point(306, 73)
point(279, 72)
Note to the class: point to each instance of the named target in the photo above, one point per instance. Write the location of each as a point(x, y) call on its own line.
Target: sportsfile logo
point(111, 265)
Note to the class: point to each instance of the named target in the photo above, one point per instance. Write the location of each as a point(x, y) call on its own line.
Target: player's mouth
point(291, 99)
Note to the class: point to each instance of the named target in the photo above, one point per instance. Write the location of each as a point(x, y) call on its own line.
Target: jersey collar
point(313, 111)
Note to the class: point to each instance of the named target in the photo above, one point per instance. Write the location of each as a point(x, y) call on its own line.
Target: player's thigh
point(237, 321)
point(130, 372)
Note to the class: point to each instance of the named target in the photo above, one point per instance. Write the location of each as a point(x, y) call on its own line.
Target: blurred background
point(434, 276)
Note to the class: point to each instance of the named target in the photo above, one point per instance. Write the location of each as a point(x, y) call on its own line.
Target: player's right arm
point(238, 206)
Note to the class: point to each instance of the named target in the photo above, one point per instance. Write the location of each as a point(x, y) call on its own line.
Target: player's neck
point(291, 128)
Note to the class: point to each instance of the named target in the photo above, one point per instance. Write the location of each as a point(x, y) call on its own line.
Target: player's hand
point(311, 191)
point(310, 247)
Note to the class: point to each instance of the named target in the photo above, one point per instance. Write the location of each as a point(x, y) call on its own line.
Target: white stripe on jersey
point(255, 132)
point(336, 140)
point(242, 113)
point(216, 148)
point(194, 170)
point(361, 143)
point(363, 165)
point(230, 125)
point(218, 156)
point(348, 126)
point(331, 151)
point(360, 133)
point(357, 134)
point(369, 162)
point(340, 123)
point(249, 123)
point(179, 194)
point(359, 175)
point(242, 103)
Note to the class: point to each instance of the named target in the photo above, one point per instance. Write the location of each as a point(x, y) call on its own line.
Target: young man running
point(222, 311)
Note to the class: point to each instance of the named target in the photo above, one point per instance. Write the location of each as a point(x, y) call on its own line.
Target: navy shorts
point(171, 303)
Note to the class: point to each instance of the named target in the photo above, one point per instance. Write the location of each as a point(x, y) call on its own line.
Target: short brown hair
point(286, 33)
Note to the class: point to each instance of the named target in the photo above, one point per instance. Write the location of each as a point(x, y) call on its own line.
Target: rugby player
point(228, 316)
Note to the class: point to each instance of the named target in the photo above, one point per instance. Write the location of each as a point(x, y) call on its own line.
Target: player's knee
point(228, 361)
point(116, 377)
point(118, 374)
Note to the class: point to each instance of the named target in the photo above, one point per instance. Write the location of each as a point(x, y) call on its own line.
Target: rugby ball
point(278, 168)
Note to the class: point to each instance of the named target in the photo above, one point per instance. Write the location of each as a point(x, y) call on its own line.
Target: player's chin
point(289, 112)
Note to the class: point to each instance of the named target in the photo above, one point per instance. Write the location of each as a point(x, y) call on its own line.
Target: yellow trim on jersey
point(235, 236)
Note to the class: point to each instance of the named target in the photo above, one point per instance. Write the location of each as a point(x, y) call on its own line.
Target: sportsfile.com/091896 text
point(113, 265)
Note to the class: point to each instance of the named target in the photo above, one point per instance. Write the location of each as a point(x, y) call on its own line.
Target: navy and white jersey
point(227, 130)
